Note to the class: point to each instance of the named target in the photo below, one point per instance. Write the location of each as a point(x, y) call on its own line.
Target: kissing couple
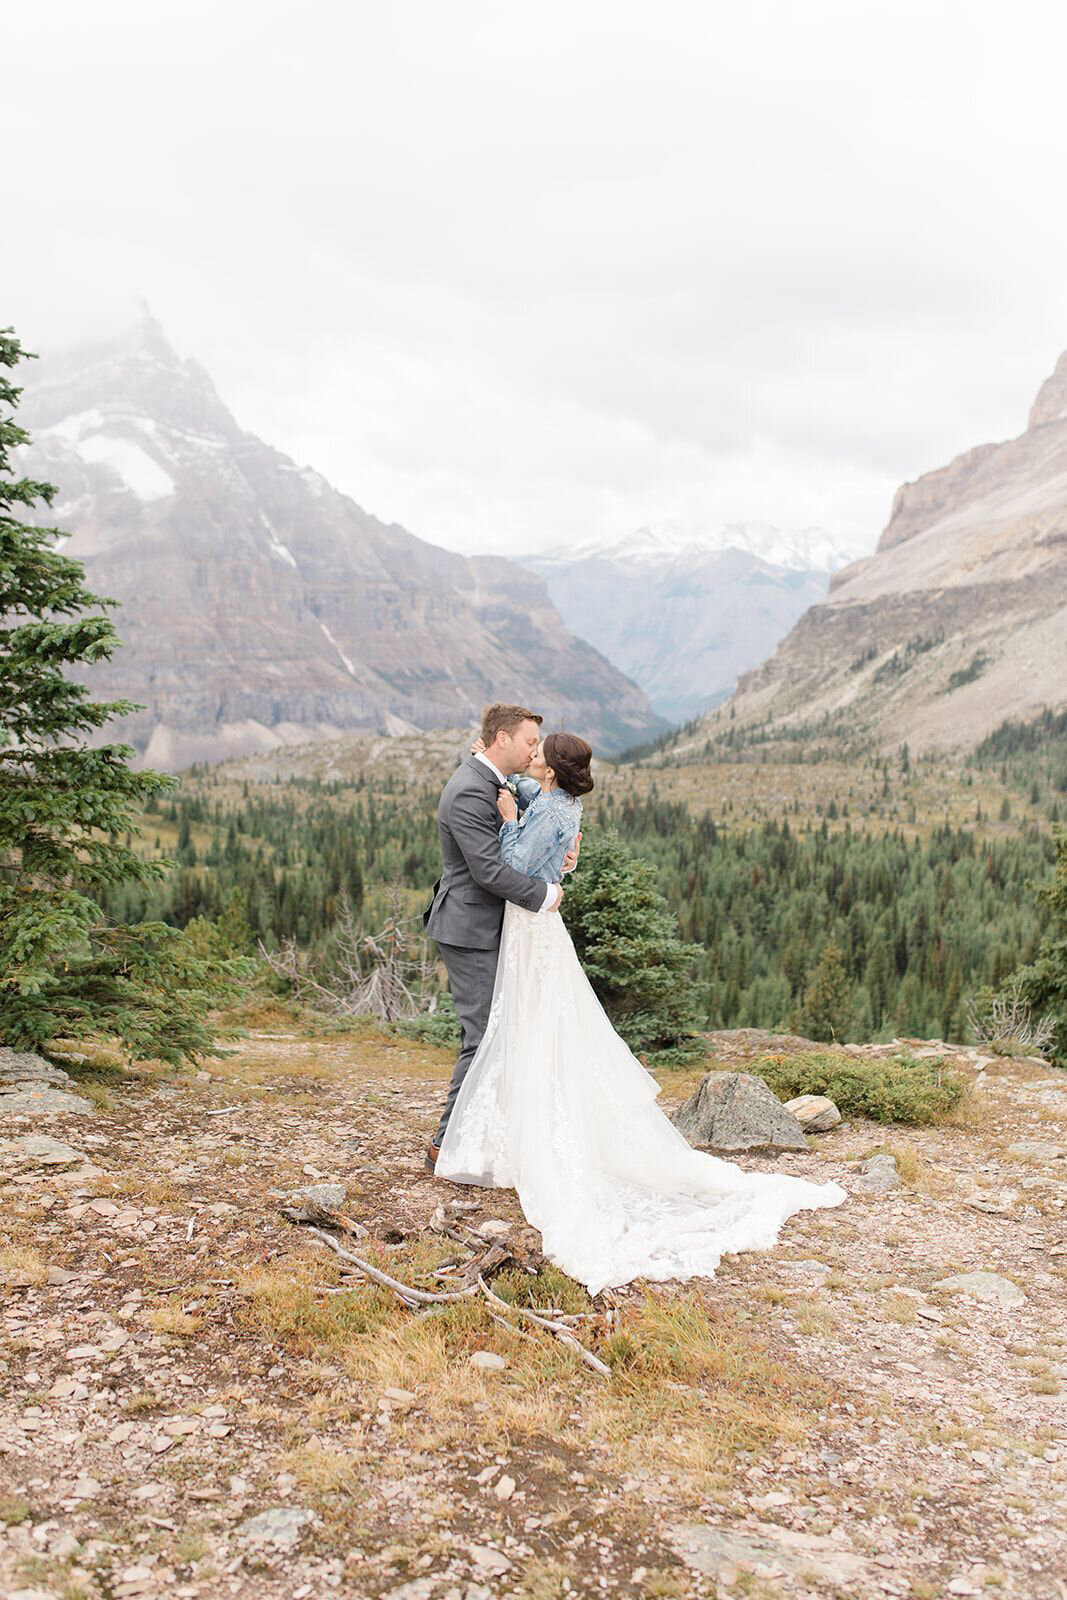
point(546, 1098)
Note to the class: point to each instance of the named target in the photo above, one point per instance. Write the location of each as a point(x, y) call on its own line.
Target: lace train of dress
point(556, 1106)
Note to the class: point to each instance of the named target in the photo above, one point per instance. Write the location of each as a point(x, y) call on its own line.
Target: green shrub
point(440, 1026)
point(898, 1088)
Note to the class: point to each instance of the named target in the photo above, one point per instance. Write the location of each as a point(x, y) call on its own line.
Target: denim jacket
point(548, 825)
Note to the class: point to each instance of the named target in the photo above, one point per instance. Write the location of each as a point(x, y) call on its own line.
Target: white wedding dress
point(556, 1106)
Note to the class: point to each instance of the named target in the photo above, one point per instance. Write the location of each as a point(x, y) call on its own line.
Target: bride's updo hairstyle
point(569, 758)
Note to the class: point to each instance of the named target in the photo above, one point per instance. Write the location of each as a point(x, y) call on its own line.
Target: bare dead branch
point(562, 1333)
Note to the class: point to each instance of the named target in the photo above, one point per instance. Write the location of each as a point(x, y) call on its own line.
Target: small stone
point(987, 1286)
point(176, 1427)
point(38, 1150)
point(282, 1526)
point(399, 1397)
point(485, 1474)
point(60, 1275)
point(814, 1112)
point(85, 1489)
point(879, 1175)
point(104, 1207)
point(487, 1361)
point(83, 1352)
point(328, 1196)
point(1037, 1150)
point(491, 1561)
point(504, 1488)
point(494, 1228)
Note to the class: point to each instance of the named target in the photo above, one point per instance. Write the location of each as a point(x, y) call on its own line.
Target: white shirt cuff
point(550, 897)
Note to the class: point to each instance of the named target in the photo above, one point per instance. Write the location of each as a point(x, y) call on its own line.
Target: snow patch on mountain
point(348, 664)
point(141, 475)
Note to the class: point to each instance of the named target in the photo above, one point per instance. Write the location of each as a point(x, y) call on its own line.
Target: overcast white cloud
point(514, 276)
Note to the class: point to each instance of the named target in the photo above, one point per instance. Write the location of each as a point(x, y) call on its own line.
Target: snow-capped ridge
point(804, 550)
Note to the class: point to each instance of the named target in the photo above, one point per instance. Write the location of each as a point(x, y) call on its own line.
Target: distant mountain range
point(685, 614)
point(259, 606)
point(957, 621)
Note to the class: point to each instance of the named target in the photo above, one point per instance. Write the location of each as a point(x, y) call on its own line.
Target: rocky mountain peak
point(1051, 402)
point(260, 606)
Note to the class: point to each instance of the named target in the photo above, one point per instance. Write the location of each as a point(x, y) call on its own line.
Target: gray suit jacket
point(468, 898)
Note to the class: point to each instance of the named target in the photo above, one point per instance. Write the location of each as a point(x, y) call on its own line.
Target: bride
point(556, 1106)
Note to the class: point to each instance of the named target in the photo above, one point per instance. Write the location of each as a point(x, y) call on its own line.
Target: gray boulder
point(737, 1111)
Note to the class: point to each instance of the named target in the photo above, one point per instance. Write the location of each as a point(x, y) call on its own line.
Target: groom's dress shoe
point(432, 1153)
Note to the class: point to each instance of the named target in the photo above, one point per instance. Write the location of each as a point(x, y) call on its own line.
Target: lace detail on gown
point(556, 1106)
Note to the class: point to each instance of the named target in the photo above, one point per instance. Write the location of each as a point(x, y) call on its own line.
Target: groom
point(466, 915)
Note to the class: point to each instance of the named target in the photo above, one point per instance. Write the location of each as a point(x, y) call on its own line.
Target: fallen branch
point(563, 1334)
point(406, 1291)
point(424, 1303)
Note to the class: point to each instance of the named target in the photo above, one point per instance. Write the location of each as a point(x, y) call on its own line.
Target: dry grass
point(322, 1470)
point(899, 1308)
point(688, 1389)
point(169, 1320)
point(132, 1186)
point(21, 1266)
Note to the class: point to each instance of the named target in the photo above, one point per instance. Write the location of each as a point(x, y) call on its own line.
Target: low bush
point(897, 1088)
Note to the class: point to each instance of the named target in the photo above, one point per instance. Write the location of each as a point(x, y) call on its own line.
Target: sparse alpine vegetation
point(898, 1088)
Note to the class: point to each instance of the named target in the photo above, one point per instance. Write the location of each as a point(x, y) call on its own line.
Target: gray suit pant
point(471, 977)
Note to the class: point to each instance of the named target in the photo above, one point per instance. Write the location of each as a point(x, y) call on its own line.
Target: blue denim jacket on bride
point(547, 828)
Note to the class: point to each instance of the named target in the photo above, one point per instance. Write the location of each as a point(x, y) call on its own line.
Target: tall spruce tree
point(627, 938)
point(1044, 982)
point(66, 807)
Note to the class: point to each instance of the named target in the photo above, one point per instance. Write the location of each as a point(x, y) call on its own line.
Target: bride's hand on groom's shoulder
point(478, 747)
point(505, 804)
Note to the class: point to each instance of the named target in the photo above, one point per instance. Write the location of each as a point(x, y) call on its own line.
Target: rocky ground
point(194, 1403)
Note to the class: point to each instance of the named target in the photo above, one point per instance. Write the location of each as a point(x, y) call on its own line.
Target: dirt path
point(818, 1420)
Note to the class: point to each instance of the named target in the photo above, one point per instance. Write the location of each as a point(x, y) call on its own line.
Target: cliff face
point(959, 618)
point(261, 607)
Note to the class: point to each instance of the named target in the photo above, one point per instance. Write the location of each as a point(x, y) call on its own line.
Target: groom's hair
point(504, 719)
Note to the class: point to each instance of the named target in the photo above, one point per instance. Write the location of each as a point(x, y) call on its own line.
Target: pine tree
point(66, 807)
point(1044, 983)
point(627, 939)
point(826, 1009)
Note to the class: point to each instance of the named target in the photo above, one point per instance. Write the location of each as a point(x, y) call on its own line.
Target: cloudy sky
point(517, 276)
